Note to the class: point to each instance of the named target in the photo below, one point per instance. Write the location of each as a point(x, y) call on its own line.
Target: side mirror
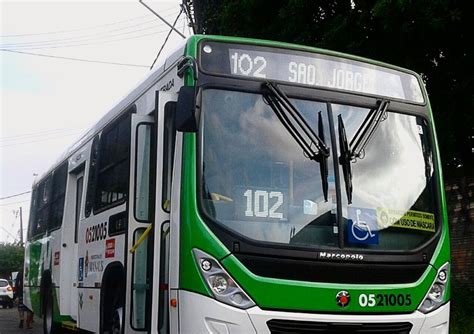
point(185, 115)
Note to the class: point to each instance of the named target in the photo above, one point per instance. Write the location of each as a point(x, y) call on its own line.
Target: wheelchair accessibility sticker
point(362, 226)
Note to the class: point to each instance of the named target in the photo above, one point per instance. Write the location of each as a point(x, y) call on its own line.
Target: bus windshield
point(258, 183)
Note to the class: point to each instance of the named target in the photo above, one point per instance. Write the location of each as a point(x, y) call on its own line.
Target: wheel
point(49, 326)
point(117, 321)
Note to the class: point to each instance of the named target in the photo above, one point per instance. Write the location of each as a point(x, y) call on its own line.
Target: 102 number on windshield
point(263, 204)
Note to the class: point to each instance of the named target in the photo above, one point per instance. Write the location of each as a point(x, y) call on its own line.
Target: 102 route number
point(244, 64)
point(263, 204)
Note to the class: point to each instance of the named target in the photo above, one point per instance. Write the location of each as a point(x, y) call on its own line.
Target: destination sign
point(306, 68)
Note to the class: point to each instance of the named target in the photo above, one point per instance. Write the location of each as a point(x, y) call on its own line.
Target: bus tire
point(113, 299)
point(49, 326)
point(117, 322)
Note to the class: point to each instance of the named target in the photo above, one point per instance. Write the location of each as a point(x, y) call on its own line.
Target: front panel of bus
point(311, 195)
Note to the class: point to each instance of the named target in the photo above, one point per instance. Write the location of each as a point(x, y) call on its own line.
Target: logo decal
point(340, 256)
point(362, 227)
point(81, 269)
point(81, 300)
point(110, 248)
point(343, 298)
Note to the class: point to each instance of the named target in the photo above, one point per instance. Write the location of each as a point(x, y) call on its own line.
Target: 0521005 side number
point(372, 300)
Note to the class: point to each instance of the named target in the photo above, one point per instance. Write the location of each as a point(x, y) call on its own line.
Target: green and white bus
point(248, 186)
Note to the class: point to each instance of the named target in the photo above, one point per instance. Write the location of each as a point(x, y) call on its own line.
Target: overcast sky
point(45, 102)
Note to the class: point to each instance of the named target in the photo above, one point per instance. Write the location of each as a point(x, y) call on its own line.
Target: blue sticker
point(81, 269)
point(362, 226)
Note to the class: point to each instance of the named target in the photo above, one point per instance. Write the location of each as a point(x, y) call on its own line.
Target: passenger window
point(42, 207)
point(57, 197)
point(143, 170)
point(113, 164)
point(140, 285)
point(91, 181)
point(79, 188)
point(168, 155)
point(33, 208)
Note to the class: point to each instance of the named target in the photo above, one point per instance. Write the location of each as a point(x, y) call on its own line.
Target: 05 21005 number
point(372, 300)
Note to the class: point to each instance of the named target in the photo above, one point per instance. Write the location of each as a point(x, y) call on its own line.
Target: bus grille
point(296, 327)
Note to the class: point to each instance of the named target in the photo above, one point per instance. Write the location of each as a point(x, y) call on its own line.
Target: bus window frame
point(79, 200)
point(45, 182)
point(93, 184)
point(92, 176)
point(169, 146)
point(55, 198)
point(147, 267)
point(152, 172)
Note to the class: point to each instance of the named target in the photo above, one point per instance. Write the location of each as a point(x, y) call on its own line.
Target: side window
point(140, 284)
point(143, 172)
point(33, 208)
point(92, 176)
point(42, 207)
point(168, 155)
point(113, 164)
point(57, 196)
point(77, 216)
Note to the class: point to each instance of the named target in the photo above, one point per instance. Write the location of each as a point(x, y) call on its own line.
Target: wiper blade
point(345, 158)
point(292, 120)
point(323, 161)
point(313, 146)
point(356, 148)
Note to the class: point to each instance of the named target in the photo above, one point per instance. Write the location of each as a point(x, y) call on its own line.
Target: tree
point(11, 258)
point(433, 38)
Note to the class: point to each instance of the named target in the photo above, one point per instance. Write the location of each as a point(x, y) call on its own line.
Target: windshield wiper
point(356, 148)
point(313, 145)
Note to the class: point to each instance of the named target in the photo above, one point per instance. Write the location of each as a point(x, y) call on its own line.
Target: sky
point(46, 102)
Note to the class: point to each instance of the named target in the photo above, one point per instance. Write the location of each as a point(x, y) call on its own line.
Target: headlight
point(435, 296)
point(222, 286)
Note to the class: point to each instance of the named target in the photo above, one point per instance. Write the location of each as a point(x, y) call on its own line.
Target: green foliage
point(11, 258)
point(462, 310)
point(433, 38)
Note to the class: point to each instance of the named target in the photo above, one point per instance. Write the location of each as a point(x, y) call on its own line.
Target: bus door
point(148, 238)
point(140, 224)
point(78, 180)
point(162, 229)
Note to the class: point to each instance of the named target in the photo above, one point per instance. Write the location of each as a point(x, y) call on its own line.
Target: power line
point(15, 195)
point(48, 41)
point(83, 37)
point(162, 19)
point(75, 59)
point(166, 39)
point(102, 40)
point(54, 136)
point(83, 28)
point(36, 134)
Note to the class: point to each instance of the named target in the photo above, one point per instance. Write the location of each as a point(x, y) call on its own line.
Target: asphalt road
point(9, 323)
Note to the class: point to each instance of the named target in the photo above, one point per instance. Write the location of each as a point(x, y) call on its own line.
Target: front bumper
point(200, 314)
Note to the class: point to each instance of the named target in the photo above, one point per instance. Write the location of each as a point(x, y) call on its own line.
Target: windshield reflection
point(257, 182)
